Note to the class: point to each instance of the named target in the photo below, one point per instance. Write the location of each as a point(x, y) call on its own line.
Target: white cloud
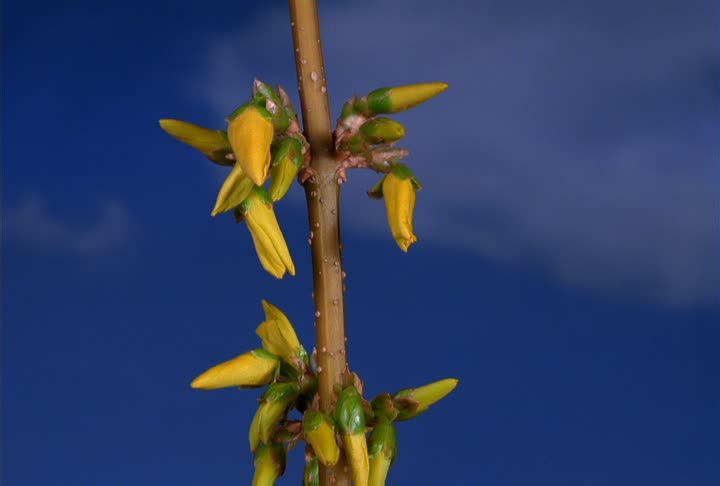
point(579, 140)
point(33, 225)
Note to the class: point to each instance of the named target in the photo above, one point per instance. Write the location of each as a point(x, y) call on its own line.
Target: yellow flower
point(252, 369)
point(235, 189)
point(266, 235)
point(278, 336)
point(319, 432)
point(398, 190)
point(250, 134)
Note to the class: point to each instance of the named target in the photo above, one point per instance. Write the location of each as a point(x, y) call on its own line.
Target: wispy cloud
point(580, 140)
point(34, 226)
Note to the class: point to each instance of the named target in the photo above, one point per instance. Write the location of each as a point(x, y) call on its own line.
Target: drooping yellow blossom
point(252, 369)
point(269, 462)
point(266, 235)
point(319, 432)
point(250, 134)
point(398, 190)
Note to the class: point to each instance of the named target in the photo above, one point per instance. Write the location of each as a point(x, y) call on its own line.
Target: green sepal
point(382, 130)
point(311, 475)
point(402, 172)
point(378, 101)
point(261, 193)
point(356, 144)
point(349, 414)
point(281, 392)
point(348, 108)
point(273, 104)
point(255, 103)
point(376, 191)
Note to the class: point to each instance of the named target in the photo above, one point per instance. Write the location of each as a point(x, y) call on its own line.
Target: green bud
point(273, 104)
point(269, 461)
point(411, 402)
point(382, 447)
point(382, 130)
point(286, 161)
point(311, 476)
point(286, 103)
point(273, 404)
point(399, 98)
point(384, 407)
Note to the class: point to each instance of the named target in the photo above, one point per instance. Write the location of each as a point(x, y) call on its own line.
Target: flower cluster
point(363, 139)
point(262, 142)
point(363, 430)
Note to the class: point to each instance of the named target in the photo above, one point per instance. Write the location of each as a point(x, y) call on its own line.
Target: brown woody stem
point(322, 191)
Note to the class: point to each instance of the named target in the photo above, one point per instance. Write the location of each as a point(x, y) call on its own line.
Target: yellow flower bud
point(252, 369)
point(273, 404)
point(269, 462)
point(413, 401)
point(235, 189)
point(278, 336)
point(266, 235)
point(319, 432)
point(212, 143)
point(250, 134)
point(399, 195)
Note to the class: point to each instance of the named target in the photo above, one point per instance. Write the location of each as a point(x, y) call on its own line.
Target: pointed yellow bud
point(286, 161)
point(250, 134)
point(268, 239)
point(399, 98)
point(356, 453)
point(212, 143)
point(269, 464)
point(413, 401)
point(319, 432)
point(278, 336)
point(399, 193)
point(252, 369)
point(273, 404)
point(235, 189)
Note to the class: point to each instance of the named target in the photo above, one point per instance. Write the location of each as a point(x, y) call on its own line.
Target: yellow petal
point(277, 334)
point(250, 135)
point(203, 139)
point(269, 242)
point(235, 189)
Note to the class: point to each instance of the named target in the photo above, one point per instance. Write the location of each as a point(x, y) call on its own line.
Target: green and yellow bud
point(286, 102)
point(273, 404)
point(250, 133)
point(311, 475)
point(399, 98)
point(278, 336)
point(383, 407)
point(212, 143)
point(273, 104)
point(286, 161)
point(269, 461)
point(319, 432)
point(411, 402)
point(398, 190)
point(382, 446)
point(252, 369)
point(382, 130)
point(350, 420)
point(269, 241)
point(235, 189)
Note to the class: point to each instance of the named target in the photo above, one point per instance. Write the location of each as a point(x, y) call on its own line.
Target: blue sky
point(566, 270)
